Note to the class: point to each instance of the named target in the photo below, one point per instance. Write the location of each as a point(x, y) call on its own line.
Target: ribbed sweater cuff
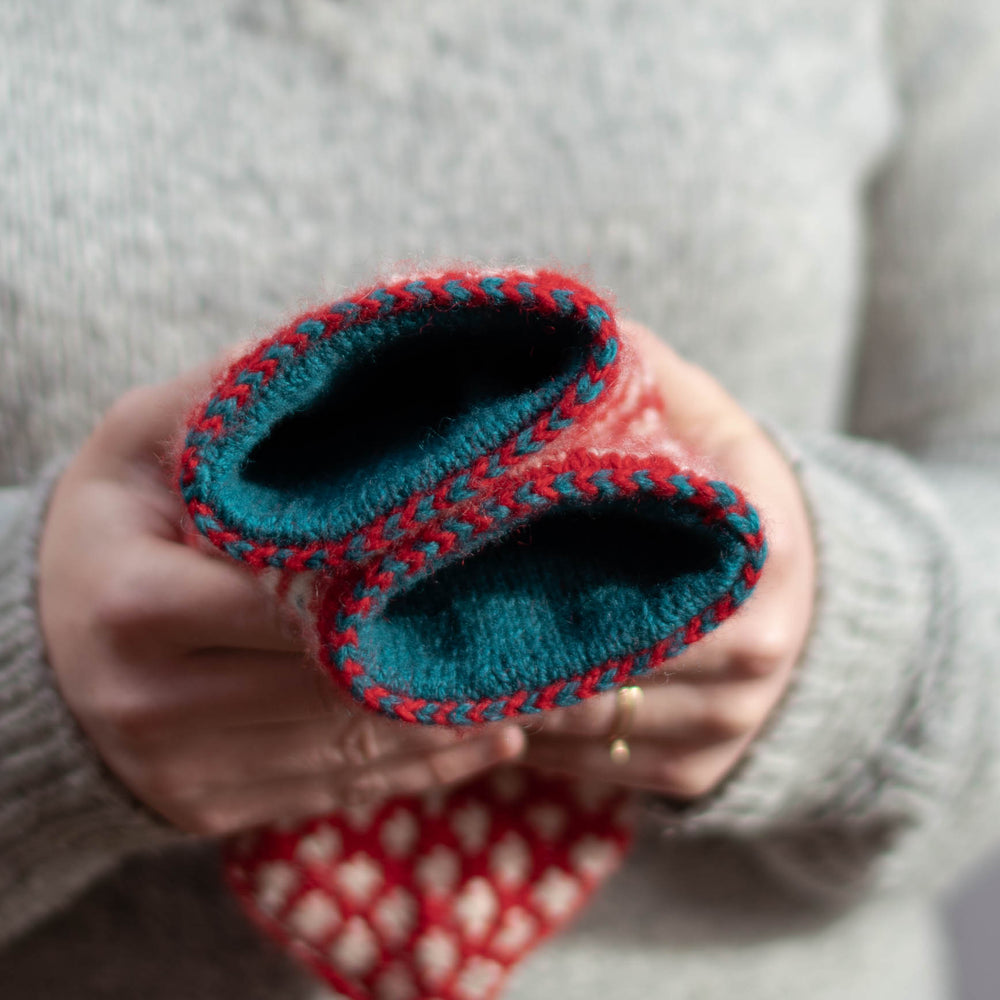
point(849, 749)
point(63, 819)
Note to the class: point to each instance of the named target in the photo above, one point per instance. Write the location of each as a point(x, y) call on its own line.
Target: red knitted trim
point(544, 292)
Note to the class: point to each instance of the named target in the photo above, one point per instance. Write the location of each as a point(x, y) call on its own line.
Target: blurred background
point(973, 916)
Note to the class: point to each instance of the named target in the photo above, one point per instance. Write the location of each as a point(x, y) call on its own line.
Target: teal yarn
point(585, 574)
point(577, 586)
point(371, 417)
point(350, 411)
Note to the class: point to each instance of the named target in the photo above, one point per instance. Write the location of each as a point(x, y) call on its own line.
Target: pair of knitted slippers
point(466, 484)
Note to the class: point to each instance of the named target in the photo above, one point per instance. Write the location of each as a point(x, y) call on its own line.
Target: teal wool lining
point(388, 408)
point(576, 588)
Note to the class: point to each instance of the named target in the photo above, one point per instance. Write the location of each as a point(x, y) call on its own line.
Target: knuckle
point(734, 714)
point(689, 779)
point(360, 746)
point(122, 413)
point(367, 787)
point(169, 780)
point(131, 714)
point(327, 756)
point(208, 821)
point(125, 603)
point(766, 648)
point(729, 438)
point(445, 769)
point(114, 605)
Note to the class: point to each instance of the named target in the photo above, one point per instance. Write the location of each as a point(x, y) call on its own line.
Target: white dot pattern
point(432, 899)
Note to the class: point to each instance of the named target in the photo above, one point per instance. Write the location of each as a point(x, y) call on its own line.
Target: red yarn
point(441, 896)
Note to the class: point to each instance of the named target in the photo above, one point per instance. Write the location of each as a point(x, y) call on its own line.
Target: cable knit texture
point(800, 196)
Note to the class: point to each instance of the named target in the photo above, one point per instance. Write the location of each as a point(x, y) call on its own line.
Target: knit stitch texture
point(550, 613)
point(544, 572)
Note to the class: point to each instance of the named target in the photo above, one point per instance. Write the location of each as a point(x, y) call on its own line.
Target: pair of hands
point(182, 671)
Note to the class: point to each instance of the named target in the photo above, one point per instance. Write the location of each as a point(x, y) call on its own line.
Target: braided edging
point(544, 292)
point(584, 477)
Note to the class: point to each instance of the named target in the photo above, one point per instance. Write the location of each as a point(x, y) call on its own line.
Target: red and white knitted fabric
point(435, 897)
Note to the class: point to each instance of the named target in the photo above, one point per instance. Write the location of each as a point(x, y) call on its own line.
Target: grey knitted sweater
point(801, 195)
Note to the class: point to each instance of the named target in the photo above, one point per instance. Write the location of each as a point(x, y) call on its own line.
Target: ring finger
point(677, 712)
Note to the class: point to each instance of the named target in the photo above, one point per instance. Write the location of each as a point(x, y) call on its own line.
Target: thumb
point(145, 424)
point(699, 411)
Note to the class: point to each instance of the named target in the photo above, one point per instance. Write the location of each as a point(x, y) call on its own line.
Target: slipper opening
point(551, 600)
point(388, 409)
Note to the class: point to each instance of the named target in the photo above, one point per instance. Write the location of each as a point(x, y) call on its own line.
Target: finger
point(682, 770)
point(336, 751)
point(699, 410)
point(289, 799)
point(144, 423)
point(182, 597)
point(702, 414)
point(714, 424)
point(672, 712)
point(231, 689)
point(709, 660)
point(747, 647)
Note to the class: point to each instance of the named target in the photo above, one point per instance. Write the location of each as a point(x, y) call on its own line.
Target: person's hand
point(179, 667)
point(700, 713)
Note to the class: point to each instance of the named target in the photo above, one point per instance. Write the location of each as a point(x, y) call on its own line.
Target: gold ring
point(627, 704)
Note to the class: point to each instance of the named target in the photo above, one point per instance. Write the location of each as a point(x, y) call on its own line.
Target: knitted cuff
point(63, 819)
point(842, 754)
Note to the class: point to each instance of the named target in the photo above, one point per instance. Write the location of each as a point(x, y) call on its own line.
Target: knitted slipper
point(569, 580)
point(616, 564)
point(580, 568)
point(615, 561)
point(355, 422)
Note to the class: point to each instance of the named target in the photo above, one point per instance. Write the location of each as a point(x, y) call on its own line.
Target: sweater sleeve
point(882, 767)
point(63, 820)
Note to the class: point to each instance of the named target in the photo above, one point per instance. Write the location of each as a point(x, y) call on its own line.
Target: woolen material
point(445, 541)
point(528, 540)
point(440, 895)
point(329, 438)
point(802, 197)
